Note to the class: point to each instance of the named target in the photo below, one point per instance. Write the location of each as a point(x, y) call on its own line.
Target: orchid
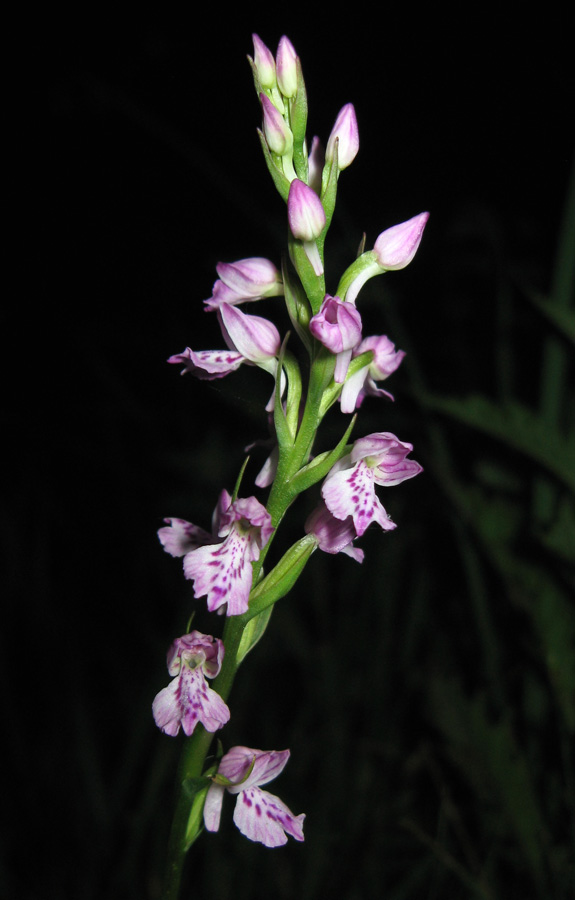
point(337, 326)
point(225, 562)
point(345, 132)
point(386, 359)
point(259, 815)
point(188, 700)
point(333, 535)
point(222, 570)
point(349, 489)
point(244, 281)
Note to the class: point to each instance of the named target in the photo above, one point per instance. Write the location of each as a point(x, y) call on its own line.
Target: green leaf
point(518, 427)
point(253, 632)
point(282, 577)
point(196, 789)
point(562, 318)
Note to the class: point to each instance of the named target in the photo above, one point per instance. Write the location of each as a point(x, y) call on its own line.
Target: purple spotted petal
point(254, 513)
point(223, 572)
point(180, 537)
point(196, 650)
point(263, 817)
point(186, 701)
point(208, 364)
point(351, 492)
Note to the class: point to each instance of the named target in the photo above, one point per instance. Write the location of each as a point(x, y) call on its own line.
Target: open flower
point(386, 359)
point(349, 489)
point(260, 816)
point(251, 339)
point(223, 570)
point(188, 700)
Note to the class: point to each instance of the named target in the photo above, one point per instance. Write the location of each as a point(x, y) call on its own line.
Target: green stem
point(281, 495)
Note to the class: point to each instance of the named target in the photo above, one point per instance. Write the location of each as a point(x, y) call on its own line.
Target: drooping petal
point(186, 701)
point(263, 817)
point(333, 535)
point(180, 537)
point(223, 572)
point(208, 364)
point(213, 806)
point(351, 492)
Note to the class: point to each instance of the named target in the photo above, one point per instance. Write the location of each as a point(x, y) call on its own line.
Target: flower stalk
point(226, 563)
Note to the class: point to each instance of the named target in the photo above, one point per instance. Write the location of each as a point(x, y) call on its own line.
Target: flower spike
point(260, 816)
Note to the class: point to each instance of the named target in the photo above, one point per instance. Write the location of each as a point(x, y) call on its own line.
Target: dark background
point(140, 170)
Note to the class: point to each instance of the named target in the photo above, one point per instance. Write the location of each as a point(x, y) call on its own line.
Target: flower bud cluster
point(224, 563)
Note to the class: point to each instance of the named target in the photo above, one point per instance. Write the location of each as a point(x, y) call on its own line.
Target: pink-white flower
point(386, 359)
point(337, 326)
point(306, 217)
point(264, 63)
point(259, 815)
point(188, 700)
point(394, 249)
point(244, 281)
point(346, 132)
point(286, 67)
point(222, 570)
point(277, 133)
point(256, 338)
point(207, 365)
point(396, 246)
point(349, 489)
point(250, 339)
point(333, 535)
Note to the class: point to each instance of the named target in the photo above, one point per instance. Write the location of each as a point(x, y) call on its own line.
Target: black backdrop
point(141, 169)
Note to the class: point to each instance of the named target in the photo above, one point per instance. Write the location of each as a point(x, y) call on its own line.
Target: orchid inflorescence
point(225, 563)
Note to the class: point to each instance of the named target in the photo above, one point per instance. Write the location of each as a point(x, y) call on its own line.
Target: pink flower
point(277, 134)
point(396, 246)
point(222, 570)
point(337, 326)
point(306, 217)
point(386, 359)
point(250, 339)
point(188, 700)
point(264, 63)
point(260, 816)
point(286, 67)
point(349, 489)
point(333, 535)
point(245, 281)
point(346, 132)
